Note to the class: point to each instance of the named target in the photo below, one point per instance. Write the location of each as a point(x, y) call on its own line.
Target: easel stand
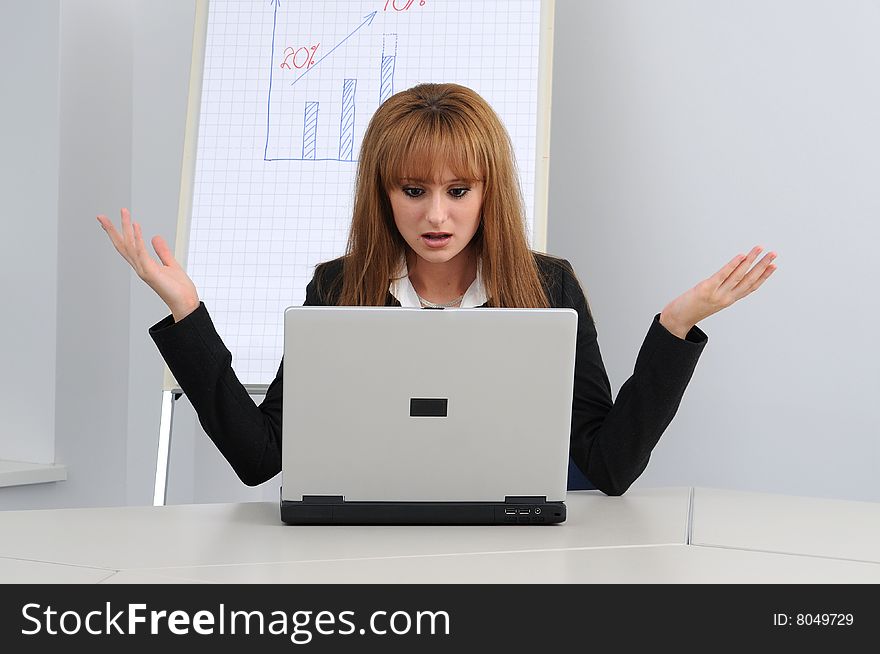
point(169, 398)
point(160, 488)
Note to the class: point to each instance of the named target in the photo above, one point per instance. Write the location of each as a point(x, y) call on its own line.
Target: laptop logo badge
point(428, 407)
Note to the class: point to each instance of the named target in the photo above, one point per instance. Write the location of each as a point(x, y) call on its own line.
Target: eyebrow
point(447, 182)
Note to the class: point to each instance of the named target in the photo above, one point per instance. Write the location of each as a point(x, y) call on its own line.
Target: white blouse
point(402, 290)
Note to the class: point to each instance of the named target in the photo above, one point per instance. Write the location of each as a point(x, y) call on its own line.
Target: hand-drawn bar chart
point(319, 87)
point(288, 89)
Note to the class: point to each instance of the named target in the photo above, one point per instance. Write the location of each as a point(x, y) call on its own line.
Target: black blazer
point(611, 441)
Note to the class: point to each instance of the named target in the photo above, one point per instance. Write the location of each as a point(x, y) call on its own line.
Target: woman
point(438, 221)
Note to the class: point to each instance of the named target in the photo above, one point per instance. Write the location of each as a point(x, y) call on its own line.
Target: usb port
point(510, 511)
point(525, 511)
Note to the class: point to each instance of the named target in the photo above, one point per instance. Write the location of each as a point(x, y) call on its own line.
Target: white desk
point(18, 571)
point(218, 534)
point(640, 537)
point(606, 565)
point(781, 523)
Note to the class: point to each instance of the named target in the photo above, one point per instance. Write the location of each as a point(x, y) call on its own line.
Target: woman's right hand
point(167, 278)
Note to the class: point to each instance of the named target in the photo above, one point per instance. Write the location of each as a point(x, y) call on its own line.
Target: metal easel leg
point(161, 483)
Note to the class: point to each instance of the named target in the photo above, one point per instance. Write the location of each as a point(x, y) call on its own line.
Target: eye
point(412, 191)
point(459, 192)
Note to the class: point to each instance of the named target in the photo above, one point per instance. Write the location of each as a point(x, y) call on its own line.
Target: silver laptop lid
point(389, 404)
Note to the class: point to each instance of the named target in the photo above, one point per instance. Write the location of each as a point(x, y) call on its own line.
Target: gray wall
point(93, 295)
point(687, 131)
point(683, 132)
point(124, 68)
point(29, 191)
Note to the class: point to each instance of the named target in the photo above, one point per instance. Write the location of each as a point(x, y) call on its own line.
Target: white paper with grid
point(287, 90)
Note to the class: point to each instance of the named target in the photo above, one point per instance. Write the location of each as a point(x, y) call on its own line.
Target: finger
point(763, 278)
point(115, 237)
point(164, 252)
point(740, 271)
point(140, 250)
point(108, 226)
point(127, 230)
point(754, 274)
point(728, 268)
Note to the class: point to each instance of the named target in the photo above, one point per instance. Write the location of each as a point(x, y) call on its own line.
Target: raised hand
point(166, 276)
point(733, 282)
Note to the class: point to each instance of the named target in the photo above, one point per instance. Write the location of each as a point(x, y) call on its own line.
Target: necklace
point(427, 304)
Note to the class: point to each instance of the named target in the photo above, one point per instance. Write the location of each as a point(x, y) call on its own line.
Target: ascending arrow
point(368, 20)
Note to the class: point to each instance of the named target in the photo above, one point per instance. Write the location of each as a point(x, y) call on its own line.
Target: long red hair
point(414, 134)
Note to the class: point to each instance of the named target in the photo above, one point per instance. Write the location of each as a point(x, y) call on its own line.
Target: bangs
point(426, 143)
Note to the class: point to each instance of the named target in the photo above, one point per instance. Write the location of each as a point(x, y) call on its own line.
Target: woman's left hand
point(733, 282)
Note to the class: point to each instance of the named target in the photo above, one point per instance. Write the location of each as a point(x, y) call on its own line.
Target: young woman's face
point(437, 218)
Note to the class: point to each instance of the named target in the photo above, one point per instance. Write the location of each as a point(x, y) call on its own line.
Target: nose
point(437, 211)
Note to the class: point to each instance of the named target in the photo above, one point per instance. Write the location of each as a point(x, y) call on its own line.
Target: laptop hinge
point(525, 499)
point(323, 499)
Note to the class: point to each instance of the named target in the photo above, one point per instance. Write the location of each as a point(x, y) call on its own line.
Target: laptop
point(417, 416)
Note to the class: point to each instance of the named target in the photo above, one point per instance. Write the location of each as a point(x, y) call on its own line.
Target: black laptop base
point(334, 510)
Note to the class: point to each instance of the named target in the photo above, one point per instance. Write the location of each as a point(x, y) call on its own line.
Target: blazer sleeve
point(248, 435)
point(611, 441)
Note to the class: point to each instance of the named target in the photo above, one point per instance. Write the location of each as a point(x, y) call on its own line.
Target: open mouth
point(436, 239)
